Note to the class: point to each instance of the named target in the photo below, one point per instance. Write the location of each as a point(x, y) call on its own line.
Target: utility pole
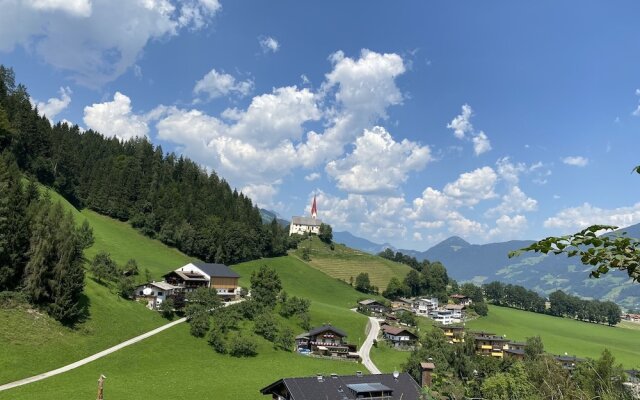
point(101, 387)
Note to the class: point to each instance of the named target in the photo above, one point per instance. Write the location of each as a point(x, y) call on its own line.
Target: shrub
point(265, 326)
point(199, 324)
point(243, 347)
point(166, 308)
point(216, 341)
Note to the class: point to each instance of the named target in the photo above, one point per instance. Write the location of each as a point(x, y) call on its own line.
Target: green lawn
point(33, 343)
point(562, 335)
point(388, 359)
point(175, 365)
point(331, 300)
point(345, 263)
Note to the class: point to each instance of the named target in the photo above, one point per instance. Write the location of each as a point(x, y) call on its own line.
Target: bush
point(306, 254)
point(285, 339)
point(12, 299)
point(199, 324)
point(243, 347)
point(216, 341)
point(266, 326)
point(125, 287)
point(166, 308)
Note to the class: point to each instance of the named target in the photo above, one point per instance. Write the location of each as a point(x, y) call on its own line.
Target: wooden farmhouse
point(399, 337)
point(327, 340)
point(197, 274)
point(372, 306)
point(155, 293)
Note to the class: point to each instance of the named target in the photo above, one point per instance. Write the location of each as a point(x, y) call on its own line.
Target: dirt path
point(366, 346)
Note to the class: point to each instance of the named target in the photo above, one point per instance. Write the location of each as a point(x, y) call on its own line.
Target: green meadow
point(345, 263)
point(562, 335)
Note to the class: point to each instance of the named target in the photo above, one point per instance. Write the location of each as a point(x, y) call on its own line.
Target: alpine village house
point(188, 278)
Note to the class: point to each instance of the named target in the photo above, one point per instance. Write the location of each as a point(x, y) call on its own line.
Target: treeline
point(402, 258)
point(561, 304)
point(41, 250)
point(460, 373)
point(165, 196)
point(431, 279)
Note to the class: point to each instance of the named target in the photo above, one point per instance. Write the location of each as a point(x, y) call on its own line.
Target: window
point(159, 293)
point(141, 293)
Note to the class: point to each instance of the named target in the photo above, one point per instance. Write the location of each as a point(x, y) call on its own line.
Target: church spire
point(314, 208)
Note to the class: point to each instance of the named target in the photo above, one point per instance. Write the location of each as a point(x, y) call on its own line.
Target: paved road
point(366, 346)
point(96, 356)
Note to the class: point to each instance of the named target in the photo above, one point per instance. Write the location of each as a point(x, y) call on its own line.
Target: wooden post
point(101, 387)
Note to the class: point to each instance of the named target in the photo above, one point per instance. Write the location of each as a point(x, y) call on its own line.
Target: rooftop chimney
point(426, 369)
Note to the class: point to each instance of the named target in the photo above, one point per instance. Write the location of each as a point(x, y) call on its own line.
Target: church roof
point(305, 221)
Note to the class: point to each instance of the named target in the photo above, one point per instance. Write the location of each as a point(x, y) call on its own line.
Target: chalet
point(444, 317)
point(457, 312)
point(197, 274)
point(399, 337)
point(461, 299)
point(568, 362)
point(328, 341)
point(394, 386)
point(302, 225)
point(155, 293)
point(454, 334)
point(425, 306)
point(372, 306)
point(515, 350)
point(490, 345)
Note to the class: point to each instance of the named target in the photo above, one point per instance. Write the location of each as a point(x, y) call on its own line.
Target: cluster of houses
point(188, 278)
point(631, 317)
point(445, 314)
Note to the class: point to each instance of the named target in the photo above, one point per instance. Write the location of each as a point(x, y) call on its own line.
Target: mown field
point(175, 365)
point(33, 343)
point(562, 335)
point(345, 263)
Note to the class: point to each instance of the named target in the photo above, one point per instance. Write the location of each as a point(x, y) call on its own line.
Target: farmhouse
point(515, 350)
point(197, 274)
point(394, 386)
point(302, 225)
point(155, 293)
point(328, 341)
point(461, 299)
point(399, 337)
point(568, 362)
point(372, 306)
point(444, 317)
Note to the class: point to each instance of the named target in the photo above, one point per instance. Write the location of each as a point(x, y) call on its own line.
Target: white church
point(300, 225)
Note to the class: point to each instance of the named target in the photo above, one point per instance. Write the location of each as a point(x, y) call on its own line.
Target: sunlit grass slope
point(562, 335)
point(345, 263)
point(33, 343)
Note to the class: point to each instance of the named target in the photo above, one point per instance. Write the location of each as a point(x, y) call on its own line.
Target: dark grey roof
point(369, 302)
point(568, 358)
point(515, 351)
point(218, 270)
point(187, 276)
point(323, 328)
point(343, 387)
point(305, 221)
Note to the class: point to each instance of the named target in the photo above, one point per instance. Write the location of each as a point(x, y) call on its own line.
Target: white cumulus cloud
point(574, 219)
point(378, 164)
point(312, 177)
point(472, 187)
point(461, 124)
point(55, 105)
point(481, 143)
point(269, 44)
point(97, 40)
point(576, 161)
point(217, 84)
point(115, 118)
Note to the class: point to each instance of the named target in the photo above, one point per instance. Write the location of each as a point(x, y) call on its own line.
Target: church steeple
point(314, 208)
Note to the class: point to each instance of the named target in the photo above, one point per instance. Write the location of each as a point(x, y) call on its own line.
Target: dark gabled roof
point(568, 358)
point(346, 387)
point(392, 330)
point(217, 270)
point(323, 328)
point(369, 302)
point(187, 276)
point(514, 351)
point(492, 338)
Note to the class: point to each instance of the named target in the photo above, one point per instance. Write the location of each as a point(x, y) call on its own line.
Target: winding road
point(366, 346)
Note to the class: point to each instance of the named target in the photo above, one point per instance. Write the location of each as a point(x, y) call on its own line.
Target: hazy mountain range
point(482, 263)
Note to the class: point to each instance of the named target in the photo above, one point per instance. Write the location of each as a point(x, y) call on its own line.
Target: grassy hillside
point(34, 343)
point(175, 365)
point(345, 263)
point(562, 335)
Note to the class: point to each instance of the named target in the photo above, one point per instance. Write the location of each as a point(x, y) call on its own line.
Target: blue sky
point(411, 122)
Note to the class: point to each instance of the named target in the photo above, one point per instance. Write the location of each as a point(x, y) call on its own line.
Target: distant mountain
point(268, 216)
point(543, 273)
point(359, 243)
